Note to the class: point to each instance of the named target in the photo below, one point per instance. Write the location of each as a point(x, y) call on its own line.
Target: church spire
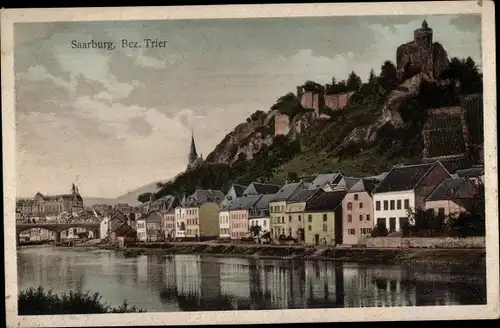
point(424, 24)
point(192, 152)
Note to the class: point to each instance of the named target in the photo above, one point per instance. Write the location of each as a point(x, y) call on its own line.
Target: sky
point(114, 120)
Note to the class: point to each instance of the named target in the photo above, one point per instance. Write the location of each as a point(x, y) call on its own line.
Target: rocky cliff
point(245, 140)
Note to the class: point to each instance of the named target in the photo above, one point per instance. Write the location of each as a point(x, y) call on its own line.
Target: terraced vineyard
point(443, 136)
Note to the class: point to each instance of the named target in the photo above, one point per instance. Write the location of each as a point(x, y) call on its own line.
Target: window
point(361, 205)
point(386, 205)
point(441, 211)
point(407, 204)
point(289, 231)
point(360, 217)
point(355, 196)
point(367, 217)
point(264, 223)
point(349, 206)
point(310, 228)
point(325, 227)
point(349, 218)
point(309, 218)
point(351, 231)
point(324, 217)
point(392, 205)
point(289, 218)
point(398, 204)
point(377, 205)
point(300, 218)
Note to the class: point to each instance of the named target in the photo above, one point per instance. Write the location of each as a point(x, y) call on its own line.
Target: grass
point(37, 301)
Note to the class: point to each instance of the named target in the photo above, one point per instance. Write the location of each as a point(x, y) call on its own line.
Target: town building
point(357, 209)
point(324, 219)
point(234, 192)
point(452, 196)
point(154, 227)
point(344, 184)
point(295, 206)
point(475, 174)
point(141, 229)
point(121, 234)
point(404, 189)
point(44, 205)
point(326, 181)
point(256, 188)
point(168, 224)
point(259, 214)
point(201, 214)
point(277, 209)
point(239, 213)
point(113, 218)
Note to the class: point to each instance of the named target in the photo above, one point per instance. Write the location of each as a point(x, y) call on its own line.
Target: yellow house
point(277, 210)
point(295, 207)
point(323, 216)
point(202, 220)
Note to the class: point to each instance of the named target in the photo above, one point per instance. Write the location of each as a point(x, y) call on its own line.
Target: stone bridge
point(57, 228)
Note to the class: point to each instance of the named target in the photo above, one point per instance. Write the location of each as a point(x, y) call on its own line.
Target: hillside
point(381, 126)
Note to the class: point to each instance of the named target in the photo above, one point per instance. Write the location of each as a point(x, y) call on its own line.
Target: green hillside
point(314, 150)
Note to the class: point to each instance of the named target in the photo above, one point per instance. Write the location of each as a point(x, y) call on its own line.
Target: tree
point(379, 231)
point(388, 78)
point(293, 176)
point(467, 73)
point(255, 230)
point(353, 82)
point(145, 197)
point(371, 77)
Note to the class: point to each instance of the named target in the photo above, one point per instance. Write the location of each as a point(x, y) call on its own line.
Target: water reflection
point(198, 283)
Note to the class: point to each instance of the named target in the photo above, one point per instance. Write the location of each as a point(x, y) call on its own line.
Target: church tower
point(193, 159)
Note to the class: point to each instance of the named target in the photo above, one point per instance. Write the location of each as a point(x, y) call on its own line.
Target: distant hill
point(129, 197)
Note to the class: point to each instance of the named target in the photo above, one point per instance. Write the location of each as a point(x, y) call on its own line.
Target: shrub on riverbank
point(39, 302)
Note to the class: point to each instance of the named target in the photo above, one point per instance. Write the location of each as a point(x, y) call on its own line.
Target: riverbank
point(467, 257)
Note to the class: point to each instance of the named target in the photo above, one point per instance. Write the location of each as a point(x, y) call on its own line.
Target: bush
point(38, 302)
point(379, 231)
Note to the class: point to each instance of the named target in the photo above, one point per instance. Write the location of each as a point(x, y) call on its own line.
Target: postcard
point(250, 164)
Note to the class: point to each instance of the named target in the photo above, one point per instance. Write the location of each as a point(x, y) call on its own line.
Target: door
point(392, 225)
point(316, 239)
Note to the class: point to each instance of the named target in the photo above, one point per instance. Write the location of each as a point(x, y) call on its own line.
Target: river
point(163, 283)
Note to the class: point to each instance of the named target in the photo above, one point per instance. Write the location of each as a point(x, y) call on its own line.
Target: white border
point(491, 310)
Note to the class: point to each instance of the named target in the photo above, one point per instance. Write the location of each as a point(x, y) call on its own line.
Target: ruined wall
point(281, 124)
point(338, 101)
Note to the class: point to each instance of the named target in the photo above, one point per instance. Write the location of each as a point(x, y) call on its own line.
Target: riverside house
point(259, 214)
point(121, 234)
point(324, 219)
point(180, 221)
point(277, 209)
point(239, 213)
point(141, 229)
point(234, 192)
point(202, 214)
point(153, 227)
point(357, 208)
point(405, 188)
point(295, 206)
point(168, 224)
point(452, 196)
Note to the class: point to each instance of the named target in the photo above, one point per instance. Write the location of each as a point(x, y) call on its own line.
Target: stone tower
point(421, 55)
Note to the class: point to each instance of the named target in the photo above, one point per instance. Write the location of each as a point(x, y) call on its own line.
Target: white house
point(180, 222)
point(259, 214)
point(405, 187)
point(141, 229)
point(224, 222)
point(103, 227)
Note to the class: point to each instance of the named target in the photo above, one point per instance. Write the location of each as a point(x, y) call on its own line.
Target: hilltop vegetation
point(316, 149)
